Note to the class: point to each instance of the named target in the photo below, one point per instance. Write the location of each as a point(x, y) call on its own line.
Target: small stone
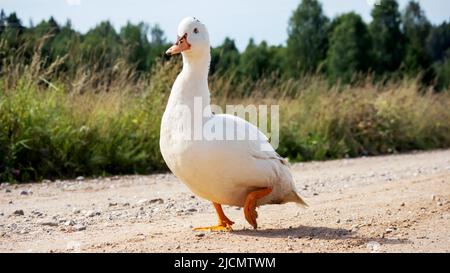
point(80, 178)
point(79, 227)
point(142, 202)
point(125, 204)
point(24, 192)
point(112, 204)
point(402, 204)
point(191, 210)
point(315, 194)
point(200, 235)
point(157, 200)
point(338, 221)
point(389, 230)
point(89, 213)
point(76, 211)
point(69, 223)
point(24, 231)
point(49, 223)
point(373, 246)
point(7, 190)
point(433, 197)
point(18, 212)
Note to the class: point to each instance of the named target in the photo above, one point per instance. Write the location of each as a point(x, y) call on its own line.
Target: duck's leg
point(224, 223)
point(250, 205)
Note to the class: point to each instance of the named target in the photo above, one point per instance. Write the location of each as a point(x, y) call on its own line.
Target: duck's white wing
point(256, 143)
point(258, 164)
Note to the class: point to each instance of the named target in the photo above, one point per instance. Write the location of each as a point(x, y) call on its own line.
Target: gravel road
point(395, 203)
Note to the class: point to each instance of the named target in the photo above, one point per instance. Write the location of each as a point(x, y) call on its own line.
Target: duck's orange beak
point(180, 46)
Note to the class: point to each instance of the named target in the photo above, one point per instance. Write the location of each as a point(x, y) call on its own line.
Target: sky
point(238, 19)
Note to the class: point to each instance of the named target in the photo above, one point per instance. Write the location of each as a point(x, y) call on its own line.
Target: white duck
point(230, 172)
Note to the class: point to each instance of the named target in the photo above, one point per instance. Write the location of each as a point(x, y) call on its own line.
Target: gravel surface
point(397, 203)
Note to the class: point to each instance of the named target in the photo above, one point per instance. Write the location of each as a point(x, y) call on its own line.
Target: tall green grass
point(91, 124)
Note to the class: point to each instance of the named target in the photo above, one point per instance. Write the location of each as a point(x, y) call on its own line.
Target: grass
point(92, 124)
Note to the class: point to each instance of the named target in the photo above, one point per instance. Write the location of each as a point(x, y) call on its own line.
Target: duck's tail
point(293, 196)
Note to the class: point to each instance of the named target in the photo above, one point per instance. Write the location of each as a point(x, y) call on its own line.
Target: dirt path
point(397, 203)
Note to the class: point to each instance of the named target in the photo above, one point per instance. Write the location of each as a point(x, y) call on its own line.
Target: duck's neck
point(192, 83)
point(197, 67)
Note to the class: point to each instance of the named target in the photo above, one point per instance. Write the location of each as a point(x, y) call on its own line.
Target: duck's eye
point(195, 30)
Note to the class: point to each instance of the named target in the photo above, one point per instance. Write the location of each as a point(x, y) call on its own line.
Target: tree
point(442, 70)
point(387, 39)
point(438, 47)
point(438, 42)
point(2, 21)
point(158, 45)
point(225, 58)
point(307, 38)
point(349, 51)
point(258, 61)
point(136, 45)
point(101, 46)
point(416, 28)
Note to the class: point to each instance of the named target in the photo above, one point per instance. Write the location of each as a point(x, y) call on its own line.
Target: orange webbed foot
point(224, 223)
point(250, 205)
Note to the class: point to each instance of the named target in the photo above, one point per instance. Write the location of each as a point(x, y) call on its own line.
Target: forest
point(394, 44)
point(90, 103)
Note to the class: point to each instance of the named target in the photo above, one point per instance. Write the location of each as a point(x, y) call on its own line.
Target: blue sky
point(238, 19)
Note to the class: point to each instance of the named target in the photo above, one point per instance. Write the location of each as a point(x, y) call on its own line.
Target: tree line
point(395, 43)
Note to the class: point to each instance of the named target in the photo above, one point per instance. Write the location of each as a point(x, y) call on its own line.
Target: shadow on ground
point(321, 233)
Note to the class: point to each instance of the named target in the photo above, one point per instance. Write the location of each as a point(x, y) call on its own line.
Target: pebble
point(142, 202)
point(157, 200)
point(389, 230)
point(402, 204)
point(112, 204)
point(24, 231)
point(69, 223)
point(18, 212)
point(24, 192)
point(80, 178)
point(76, 211)
point(192, 210)
point(200, 235)
point(373, 246)
point(7, 190)
point(338, 221)
point(79, 227)
point(91, 213)
point(49, 223)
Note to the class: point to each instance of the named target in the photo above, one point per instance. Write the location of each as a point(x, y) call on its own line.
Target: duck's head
point(192, 38)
